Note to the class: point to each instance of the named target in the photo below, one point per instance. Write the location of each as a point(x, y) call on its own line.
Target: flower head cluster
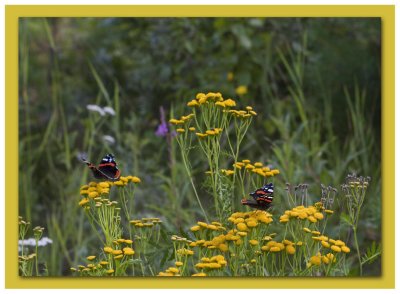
point(122, 248)
point(215, 98)
point(256, 168)
point(99, 268)
point(182, 120)
point(170, 272)
point(179, 239)
point(245, 221)
point(285, 246)
point(336, 246)
point(311, 213)
point(318, 259)
point(184, 252)
point(227, 172)
point(145, 222)
point(212, 263)
point(124, 181)
point(241, 90)
point(209, 133)
point(248, 113)
point(96, 191)
point(214, 226)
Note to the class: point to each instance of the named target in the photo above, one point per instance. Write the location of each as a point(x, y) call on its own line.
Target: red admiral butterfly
point(262, 197)
point(107, 169)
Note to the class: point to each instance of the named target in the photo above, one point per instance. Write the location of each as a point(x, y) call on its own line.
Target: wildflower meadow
point(199, 147)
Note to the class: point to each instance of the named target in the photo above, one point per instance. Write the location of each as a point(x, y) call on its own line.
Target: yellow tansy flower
point(229, 103)
point(193, 103)
point(315, 260)
point(241, 90)
point(135, 180)
point(318, 216)
point(242, 227)
point(195, 228)
point(345, 249)
point(83, 202)
point(199, 275)
point(275, 249)
point(325, 244)
point(253, 242)
point(290, 249)
point(108, 250)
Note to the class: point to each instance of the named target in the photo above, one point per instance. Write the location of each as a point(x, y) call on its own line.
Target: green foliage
point(315, 83)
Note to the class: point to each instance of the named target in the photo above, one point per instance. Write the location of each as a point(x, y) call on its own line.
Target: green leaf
point(373, 252)
point(345, 218)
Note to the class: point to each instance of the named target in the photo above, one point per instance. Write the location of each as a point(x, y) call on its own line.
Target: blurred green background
point(314, 82)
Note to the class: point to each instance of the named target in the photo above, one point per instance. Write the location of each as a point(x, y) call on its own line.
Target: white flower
point(109, 139)
point(96, 108)
point(32, 242)
point(109, 110)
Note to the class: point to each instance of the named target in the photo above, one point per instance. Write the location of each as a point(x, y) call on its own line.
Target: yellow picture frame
point(387, 15)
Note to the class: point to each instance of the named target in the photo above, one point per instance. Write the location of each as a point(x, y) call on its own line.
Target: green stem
point(357, 248)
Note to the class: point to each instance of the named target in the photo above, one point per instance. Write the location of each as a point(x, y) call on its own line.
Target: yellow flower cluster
point(184, 119)
point(91, 267)
point(214, 226)
point(96, 191)
point(284, 246)
point(201, 274)
point(215, 262)
point(257, 168)
point(145, 222)
point(93, 189)
point(311, 213)
point(123, 181)
point(212, 132)
point(180, 239)
point(184, 252)
point(317, 259)
point(121, 249)
point(241, 90)
point(243, 113)
point(227, 172)
point(211, 97)
point(170, 272)
point(335, 245)
point(245, 221)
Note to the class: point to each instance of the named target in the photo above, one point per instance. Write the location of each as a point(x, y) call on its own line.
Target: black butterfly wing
point(258, 204)
point(96, 173)
point(108, 167)
point(262, 198)
point(110, 171)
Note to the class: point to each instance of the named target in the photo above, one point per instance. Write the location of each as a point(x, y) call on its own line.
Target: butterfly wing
point(263, 191)
point(262, 198)
point(96, 173)
point(108, 167)
point(258, 204)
